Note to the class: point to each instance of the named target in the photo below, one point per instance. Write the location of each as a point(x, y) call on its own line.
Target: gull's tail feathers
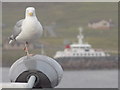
point(11, 40)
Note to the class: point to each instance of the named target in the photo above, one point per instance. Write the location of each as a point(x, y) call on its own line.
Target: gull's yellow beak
point(31, 14)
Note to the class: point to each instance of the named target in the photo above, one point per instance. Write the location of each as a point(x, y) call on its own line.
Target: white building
point(101, 24)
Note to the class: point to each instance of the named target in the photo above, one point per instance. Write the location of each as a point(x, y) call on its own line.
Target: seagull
point(27, 30)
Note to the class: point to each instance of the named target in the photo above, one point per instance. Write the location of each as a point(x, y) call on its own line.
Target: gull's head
point(30, 11)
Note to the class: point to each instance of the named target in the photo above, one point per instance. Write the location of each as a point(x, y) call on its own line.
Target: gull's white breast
point(31, 30)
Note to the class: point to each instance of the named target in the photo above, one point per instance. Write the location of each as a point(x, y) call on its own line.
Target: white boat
point(80, 49)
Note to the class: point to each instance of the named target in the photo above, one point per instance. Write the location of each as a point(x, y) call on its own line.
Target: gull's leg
point(26, 49)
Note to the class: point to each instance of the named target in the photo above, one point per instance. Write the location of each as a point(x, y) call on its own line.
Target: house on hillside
point(101, 24)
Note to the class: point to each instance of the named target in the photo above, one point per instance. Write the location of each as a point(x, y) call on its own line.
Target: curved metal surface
point(46, 69)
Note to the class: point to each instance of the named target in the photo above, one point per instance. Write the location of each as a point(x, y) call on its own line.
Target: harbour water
point(82, 78)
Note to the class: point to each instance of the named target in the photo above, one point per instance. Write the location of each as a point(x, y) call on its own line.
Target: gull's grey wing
point(17, 28)
point(16, 31)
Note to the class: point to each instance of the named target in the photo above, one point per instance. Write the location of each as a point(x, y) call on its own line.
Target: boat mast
point(80, 36)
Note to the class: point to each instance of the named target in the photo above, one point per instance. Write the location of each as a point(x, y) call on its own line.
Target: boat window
point(86, 49)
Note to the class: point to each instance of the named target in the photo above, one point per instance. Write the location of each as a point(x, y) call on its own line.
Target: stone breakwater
point(110, 62)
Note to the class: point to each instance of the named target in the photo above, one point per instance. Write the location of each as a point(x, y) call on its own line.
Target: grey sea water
point(82, 78)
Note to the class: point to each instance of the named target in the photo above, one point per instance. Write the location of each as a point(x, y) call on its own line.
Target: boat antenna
point(80, 36)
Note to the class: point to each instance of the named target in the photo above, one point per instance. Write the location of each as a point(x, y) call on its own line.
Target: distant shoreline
point(110, 62)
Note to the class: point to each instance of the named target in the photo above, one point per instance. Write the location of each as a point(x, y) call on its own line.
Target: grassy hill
point(68, 17)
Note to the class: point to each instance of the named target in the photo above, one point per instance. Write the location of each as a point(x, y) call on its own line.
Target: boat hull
point(107, 62)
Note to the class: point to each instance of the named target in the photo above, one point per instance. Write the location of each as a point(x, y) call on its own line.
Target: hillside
point(68, 17)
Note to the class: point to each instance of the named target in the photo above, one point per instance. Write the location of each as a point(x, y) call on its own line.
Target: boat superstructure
point(80, 49)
